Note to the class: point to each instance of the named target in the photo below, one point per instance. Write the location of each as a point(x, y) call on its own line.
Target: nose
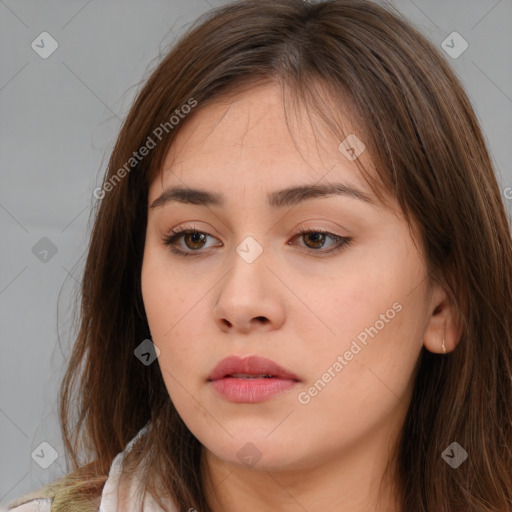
point(249, 297)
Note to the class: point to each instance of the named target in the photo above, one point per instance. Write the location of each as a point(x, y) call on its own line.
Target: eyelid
point(192, 227)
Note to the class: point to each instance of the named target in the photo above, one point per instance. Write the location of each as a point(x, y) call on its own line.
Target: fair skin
point(295, 304)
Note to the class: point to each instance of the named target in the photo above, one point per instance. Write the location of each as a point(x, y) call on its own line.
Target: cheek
point(375, 319)
point(175, 318)
point(166, 307)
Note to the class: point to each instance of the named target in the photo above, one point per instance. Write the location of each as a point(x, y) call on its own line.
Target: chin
point(254, 452)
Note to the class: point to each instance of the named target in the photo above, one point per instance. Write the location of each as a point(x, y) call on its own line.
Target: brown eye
point(187, 242)
point(316, 239)
point(194, 240)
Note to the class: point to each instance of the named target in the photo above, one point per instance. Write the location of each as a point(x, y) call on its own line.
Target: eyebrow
point(286, 197)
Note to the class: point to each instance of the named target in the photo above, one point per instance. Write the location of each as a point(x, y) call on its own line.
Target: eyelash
point(178, 233)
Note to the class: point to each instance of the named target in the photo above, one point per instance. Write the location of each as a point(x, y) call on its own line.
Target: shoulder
point(39, 500)
point(56, 495)
point(35, 505)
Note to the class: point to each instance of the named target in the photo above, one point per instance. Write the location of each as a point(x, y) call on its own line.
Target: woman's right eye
point(193, 239)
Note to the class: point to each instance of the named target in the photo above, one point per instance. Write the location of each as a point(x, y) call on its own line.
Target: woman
point(297, 292)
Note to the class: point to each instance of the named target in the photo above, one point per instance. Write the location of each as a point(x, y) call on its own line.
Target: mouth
point(250, 390)
point(250, 380)
point(252, 367)
point(245, 376)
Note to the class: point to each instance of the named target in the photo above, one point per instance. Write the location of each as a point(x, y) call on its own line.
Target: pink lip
point(252, 365)
point(244, 390)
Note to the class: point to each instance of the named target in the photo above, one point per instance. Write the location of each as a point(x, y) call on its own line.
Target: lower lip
point(250, 390)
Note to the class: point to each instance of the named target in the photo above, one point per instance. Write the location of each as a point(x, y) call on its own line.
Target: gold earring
point(444, 348)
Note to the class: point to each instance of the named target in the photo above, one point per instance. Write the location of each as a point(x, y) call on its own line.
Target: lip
point(245, 390)
point(251, 365)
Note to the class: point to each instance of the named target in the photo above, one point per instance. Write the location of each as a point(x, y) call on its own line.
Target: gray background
point(59, 119)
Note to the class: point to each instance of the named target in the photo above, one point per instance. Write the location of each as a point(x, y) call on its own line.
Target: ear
point(443, 322)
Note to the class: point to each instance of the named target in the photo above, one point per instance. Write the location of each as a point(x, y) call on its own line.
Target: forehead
point(256, 137)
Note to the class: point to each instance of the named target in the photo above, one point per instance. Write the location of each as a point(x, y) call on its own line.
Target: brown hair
point(424, 138)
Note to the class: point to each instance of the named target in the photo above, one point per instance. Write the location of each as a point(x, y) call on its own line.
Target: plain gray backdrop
point(60, 115)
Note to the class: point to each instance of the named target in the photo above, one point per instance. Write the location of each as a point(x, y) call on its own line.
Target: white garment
point(31, 502)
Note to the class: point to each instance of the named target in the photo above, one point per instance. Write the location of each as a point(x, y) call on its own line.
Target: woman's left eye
point(195, 240)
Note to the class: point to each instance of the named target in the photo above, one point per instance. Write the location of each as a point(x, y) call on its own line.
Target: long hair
point(422, 134)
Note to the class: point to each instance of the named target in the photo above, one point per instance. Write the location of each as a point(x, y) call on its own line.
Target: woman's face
point(345, 312)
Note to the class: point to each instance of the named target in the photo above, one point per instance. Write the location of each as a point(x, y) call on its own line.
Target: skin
point(294, 304)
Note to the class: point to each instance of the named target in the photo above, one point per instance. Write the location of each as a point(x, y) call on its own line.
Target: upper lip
point(251, 365)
